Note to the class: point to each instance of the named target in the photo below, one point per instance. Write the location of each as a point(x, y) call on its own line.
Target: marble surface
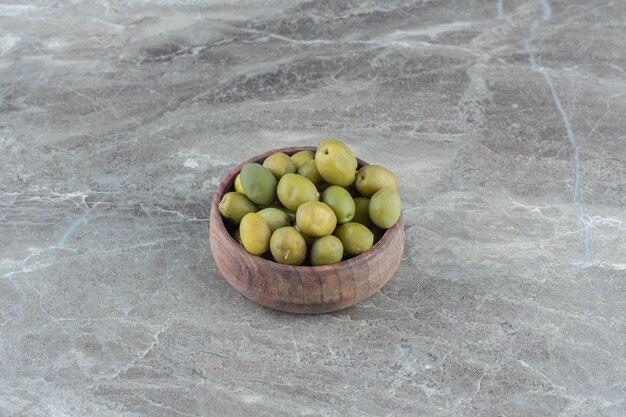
point(503, 119)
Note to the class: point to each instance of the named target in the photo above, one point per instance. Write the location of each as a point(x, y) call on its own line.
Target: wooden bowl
point(301, 289)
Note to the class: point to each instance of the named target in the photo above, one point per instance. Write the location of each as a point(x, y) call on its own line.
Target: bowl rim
point(226, 184)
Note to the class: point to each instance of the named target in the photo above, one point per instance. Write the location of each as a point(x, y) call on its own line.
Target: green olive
point(275, 218)
point(309, 169)
point(326, 250)
point(372, 178)
point(301, 157)
point(341, 202)
point(255, 234)
point(294, 189)
point(238, 186)
point(258, 183)
point(279, 164)
point(316, 219)
point(279, 206)
point(288, 246)
point(336, 163)
point(235, 205)
point(385, 208)
point(362, 211)
point(355, 238)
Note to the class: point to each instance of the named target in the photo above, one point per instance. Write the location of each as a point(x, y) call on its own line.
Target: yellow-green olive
point(238, 186)
point(336, 142)
point(362, 211)
point(316, 219)
point(336, 163)
point(326, 250)
point(309, 169)
point(294, 189)
point(234, 206)
point(301, 157)
point(385, 208)
point(372, 178)
point(288, 246)
point(355, 238)
point(279, 164)
point(341, 202)
point(274, 217)
point(255, 234)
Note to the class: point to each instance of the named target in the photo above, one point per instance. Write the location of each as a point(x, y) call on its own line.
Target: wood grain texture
point(302, 289)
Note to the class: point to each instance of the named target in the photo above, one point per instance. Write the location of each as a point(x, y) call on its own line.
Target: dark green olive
point(258, 183)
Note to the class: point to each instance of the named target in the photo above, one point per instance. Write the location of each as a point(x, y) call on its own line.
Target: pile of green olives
point(313, 208)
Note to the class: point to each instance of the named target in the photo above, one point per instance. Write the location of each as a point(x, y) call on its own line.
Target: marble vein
point(69, 232)
point(547, 14)
point(500, 8)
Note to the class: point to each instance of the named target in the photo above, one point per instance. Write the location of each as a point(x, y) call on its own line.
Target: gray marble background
point(503, 119)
